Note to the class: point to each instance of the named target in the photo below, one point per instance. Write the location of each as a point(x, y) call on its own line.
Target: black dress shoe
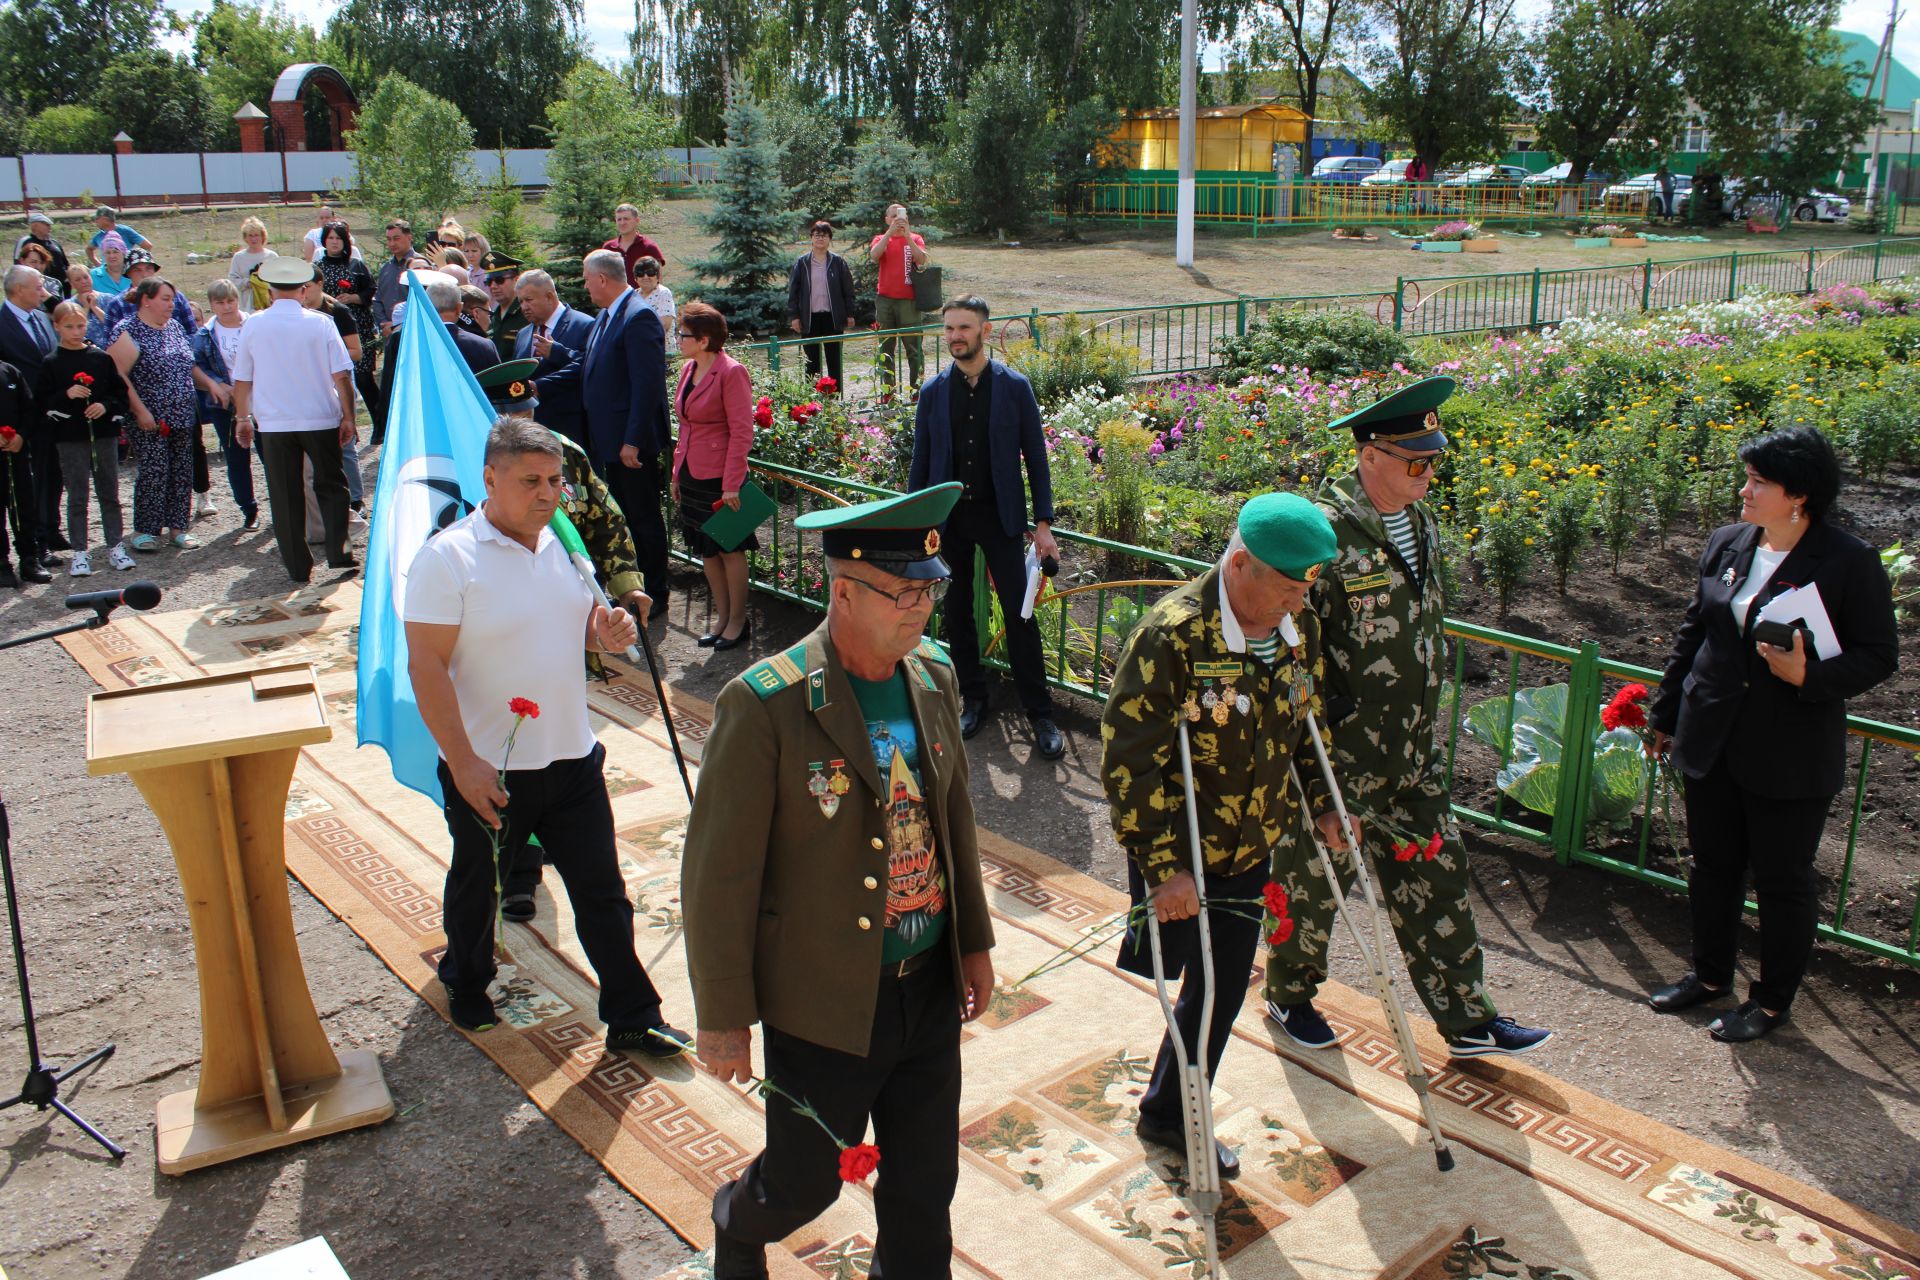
point(57, 543)
point(348, 563)
point(1685, 994)
point(7, 578)
point(48, 560)
point(737, 1260)
point(1748, 1022)
point(659, 608)
point(721, 643)
point(1176, 1140)
point(1047, 739)
point(32, 572)
point(973, 714)
point(707, 641)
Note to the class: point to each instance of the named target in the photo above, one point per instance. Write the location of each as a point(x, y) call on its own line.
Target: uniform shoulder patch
point(770, 675)
point(932, 652)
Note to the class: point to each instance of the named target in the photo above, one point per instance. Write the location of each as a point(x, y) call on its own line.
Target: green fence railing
point(1106, 585)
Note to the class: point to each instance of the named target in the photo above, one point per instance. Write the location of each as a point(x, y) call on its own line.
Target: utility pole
point(1183, 226)
point(1884, 62)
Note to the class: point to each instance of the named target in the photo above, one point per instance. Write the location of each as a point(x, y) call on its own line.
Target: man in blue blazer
point(26, 342)
point(555, 335)
point(621, 379)
point(975, 422)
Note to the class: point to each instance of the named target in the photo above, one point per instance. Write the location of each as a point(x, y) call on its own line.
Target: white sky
point(609, 22)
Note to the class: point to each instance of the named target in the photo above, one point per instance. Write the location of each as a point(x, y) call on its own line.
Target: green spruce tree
point(753, 225)
point(506, 226)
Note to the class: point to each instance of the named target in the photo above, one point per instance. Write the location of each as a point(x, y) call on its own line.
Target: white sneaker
point(79, 566)
point(120, 557)
point(205, 506)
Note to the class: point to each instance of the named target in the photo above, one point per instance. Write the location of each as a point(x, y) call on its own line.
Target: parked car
point(1489, 176)
point(1344, 168)
point(1815, 206)
point(1558, 175)
point(1391, 174)
point(1644, 191)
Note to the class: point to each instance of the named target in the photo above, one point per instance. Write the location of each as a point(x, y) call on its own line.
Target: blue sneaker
point(1303, 1024)
point(1502, 1037)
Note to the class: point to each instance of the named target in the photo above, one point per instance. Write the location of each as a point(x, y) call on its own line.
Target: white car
point(1645, 187)
point(1815, 206)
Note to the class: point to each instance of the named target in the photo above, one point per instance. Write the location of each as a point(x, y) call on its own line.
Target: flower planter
point(1485, 245)
point(1592, 242)
point(1628, 242)
point(1363, 239)
point(1438, 246)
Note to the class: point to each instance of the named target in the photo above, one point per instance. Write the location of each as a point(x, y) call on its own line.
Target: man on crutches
point(1208, 660)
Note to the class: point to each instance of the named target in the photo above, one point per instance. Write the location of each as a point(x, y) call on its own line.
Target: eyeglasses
point(1416, 467)
point(911, 598)
point(681, 335)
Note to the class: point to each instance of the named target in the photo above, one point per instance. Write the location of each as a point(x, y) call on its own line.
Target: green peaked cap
point(899, 535)
point(509, 385)
point(1408, 418)
point(1286, 532)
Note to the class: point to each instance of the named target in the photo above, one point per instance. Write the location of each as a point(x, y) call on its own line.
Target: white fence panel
point(320, 170)
point(57, 177)
point(161, 175)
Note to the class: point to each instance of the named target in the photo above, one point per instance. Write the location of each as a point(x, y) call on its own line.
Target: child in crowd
point(84, 406)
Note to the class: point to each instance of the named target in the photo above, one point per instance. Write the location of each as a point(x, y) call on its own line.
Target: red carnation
point(1432, 850)
point(8, 433)
point(165, 430)
point(1406, 852)
point(1282, 931)
point(1276, 899)
point(826, 386)
point(524, 707)
point(857, 1163)
point(763, 411)
point(84, 379)
point(1627, 710)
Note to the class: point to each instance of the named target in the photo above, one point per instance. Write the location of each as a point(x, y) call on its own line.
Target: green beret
point(1286, 532)
point(1408, 418)
point(899, 535)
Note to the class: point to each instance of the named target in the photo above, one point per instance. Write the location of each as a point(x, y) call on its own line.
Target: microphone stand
point(42, 1086)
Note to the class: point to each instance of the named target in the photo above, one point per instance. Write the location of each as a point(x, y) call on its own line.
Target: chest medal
point(822, 791)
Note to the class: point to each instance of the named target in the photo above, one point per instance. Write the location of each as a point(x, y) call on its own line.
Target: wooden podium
point(214, 759)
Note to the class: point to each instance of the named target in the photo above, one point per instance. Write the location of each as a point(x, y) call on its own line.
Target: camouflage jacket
point(1246, 722)
point(590, 506)
point(1384, 632)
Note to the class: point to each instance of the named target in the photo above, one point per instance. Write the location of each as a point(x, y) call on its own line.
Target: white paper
point(1034, 579)
point(1288, 634)
point(1803, 604)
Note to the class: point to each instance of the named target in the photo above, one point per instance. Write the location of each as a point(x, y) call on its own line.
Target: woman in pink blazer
point(715, 407)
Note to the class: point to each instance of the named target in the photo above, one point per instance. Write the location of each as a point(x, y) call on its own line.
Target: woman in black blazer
point(821, 276)
point(1760, 732)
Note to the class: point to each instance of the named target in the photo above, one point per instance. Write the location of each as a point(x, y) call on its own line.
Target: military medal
point(1365, 565)
point(1242, 703)
point(838, 783)
point(822, 791)
point(1190, 709)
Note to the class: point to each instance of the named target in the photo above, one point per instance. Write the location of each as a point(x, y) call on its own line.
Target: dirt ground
point(470, 1179)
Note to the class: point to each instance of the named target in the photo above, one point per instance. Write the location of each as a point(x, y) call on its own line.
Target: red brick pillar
point(122, 144)
point(253, 127)
point(290, 125)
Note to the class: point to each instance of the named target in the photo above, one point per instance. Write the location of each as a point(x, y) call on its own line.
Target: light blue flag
point(430, 476)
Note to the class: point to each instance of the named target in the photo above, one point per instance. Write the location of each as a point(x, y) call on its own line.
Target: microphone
point(135, 595)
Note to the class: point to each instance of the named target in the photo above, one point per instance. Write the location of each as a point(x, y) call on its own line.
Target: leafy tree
point(157, 97)
point(813, 143)
point(606, 149)
point(887, 169)
point(1082, 149)
point(998, 150)
point(411, 152)
point(1443, 75)
point(51, 50)
point(1610, 72)
point(68, 130)
point(751, 224)
point(499, 63)
point(506, 226)
point(241, 49)
point(1300, 37)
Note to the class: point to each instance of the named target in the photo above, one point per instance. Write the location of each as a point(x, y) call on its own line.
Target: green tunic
point(504, 329)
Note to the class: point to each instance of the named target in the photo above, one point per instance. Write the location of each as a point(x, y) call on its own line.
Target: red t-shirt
point(893, 265)
point(641, 247)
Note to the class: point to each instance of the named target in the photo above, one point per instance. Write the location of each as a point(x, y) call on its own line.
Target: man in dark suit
point(479, 354)
point(555, 335)
point(621, 378)
point(975, 422)
point(26, 342)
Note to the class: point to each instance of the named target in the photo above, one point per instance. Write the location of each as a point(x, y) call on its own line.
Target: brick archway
point(288, 106)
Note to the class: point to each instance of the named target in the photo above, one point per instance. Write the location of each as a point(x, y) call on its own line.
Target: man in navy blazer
point(621, 379)
point(555, 335)
point(26, 342)
point(975, 422)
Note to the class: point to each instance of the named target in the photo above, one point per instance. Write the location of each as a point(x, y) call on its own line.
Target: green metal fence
point(1109, 584)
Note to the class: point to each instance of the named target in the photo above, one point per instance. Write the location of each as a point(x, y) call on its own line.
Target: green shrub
point(1567, 523)
point(1838, 348)
point(70, 130)
point(1505, 548)
point(1338, 343)
point(1898, 336)
point(1120, 505)
point(1623, 503)
point(1878, 426)
point(1068, 356)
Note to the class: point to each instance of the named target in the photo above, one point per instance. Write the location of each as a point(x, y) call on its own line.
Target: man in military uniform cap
point(1382, 612)
point(832, 893)
point(502, 273)
point(1214, 655)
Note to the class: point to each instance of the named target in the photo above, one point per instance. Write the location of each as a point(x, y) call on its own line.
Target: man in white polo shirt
point(293, 384)
point(495, 613)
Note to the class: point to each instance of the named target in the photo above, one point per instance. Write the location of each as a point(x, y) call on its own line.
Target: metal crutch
point(1376, 955)
point(1196, 1095)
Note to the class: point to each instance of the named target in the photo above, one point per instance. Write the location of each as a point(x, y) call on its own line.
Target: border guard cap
point(1409, 417)
point(509, 386)
point(495, 262)
point(899, 535)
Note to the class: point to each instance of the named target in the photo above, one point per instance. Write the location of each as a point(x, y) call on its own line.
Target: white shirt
point(290, 354)
point(227, 338)
point(1764, 563)
point(523, 625)
point(661, 300)
point(552, 324)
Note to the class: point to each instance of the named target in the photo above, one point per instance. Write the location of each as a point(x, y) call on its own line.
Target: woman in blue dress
point(157, 361)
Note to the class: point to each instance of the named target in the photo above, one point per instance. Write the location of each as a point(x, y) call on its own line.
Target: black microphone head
point(141, 595)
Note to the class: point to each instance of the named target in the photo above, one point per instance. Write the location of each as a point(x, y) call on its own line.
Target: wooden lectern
point(214, 758)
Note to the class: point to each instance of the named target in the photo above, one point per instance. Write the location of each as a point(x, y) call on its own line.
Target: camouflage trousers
point(1427, 902)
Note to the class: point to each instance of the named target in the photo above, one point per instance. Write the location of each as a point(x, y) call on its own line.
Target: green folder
point(730, 528)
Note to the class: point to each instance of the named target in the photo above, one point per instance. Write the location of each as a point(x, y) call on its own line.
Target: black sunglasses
point(1416, 467)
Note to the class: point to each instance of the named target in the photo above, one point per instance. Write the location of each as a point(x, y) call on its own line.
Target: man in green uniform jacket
point(502, 275)
point(1215, 656)
point(832, 893)
point(1382, 612)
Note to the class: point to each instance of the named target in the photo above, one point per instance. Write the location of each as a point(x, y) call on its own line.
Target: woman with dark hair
point(345, 278)
point(715, 407)
point(156, 359)
point(820, 301)
point(1760, 730)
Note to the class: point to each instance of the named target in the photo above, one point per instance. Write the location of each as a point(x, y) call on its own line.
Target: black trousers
point(21, 517)
point(637, 490)
point(1734, 831)
point(566, 805)
point(41, 497)
point(819, 325)
point(909, 1085)
point(1235, 939)
point(281, 453)
point(977, 524)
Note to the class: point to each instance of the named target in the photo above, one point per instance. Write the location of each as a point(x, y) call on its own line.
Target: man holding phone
point(899, 250)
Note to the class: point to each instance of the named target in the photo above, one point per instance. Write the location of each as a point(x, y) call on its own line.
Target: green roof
point(1902, 86)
